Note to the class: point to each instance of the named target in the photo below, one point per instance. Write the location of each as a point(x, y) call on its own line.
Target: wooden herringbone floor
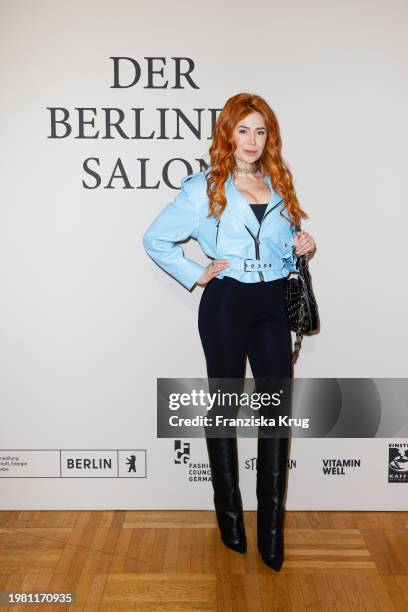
point(174, 561)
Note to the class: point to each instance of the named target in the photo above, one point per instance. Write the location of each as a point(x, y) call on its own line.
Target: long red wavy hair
point(270, 163)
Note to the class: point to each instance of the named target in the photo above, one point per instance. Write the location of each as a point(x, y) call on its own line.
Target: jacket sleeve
point(177, 221)
point(291, 258)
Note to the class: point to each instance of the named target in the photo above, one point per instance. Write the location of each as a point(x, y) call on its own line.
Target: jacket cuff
point(192, 273)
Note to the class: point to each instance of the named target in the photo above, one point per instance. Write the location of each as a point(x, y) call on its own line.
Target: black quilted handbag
point(301, 306)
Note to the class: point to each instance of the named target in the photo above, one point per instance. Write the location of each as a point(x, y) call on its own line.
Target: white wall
point(88, 321)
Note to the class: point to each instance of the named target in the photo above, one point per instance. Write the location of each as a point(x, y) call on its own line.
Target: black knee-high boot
point(223, 458)
point(270, 489)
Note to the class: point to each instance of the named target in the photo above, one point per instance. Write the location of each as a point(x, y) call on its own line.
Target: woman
point(244, 213)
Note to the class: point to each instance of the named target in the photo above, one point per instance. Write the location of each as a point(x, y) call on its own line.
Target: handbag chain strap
point(299, 331)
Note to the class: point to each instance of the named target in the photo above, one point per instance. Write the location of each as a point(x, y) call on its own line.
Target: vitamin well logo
point(339, 467)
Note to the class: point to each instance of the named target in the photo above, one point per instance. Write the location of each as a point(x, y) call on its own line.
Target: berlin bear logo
point(131, 462)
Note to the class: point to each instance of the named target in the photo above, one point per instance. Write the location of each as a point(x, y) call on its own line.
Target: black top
point(259, 210)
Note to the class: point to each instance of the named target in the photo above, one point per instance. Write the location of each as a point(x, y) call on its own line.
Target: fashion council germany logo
point(181, 451)
point(398, 462)
point(196, 471)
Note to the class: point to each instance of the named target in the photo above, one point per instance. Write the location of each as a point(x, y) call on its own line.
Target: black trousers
point(238, 320)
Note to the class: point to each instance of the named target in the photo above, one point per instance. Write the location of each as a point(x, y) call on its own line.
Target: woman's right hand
point(212, 270)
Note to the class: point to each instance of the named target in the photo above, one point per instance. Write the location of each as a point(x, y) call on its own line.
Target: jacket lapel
point(239, 205)
point(275, 196)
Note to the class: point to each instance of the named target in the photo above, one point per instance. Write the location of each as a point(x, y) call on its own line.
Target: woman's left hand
point(304, 243)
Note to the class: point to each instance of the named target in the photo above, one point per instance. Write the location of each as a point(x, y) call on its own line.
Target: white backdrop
point(88, 321)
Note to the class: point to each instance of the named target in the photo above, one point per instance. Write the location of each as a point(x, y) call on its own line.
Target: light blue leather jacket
point(255, 252)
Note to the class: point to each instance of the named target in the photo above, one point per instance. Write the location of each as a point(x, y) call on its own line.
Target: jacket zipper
point(216, 235)
point(256, 238)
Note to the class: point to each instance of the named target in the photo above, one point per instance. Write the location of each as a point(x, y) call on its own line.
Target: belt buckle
point(245, 264)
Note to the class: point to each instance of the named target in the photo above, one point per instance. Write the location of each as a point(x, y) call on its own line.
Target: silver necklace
point(252, 170)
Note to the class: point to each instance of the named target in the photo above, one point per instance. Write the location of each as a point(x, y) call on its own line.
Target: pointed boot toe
point(236, 545)
point(223, 457)
point(271, 488)
point(274, 562)
point(234, 536)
